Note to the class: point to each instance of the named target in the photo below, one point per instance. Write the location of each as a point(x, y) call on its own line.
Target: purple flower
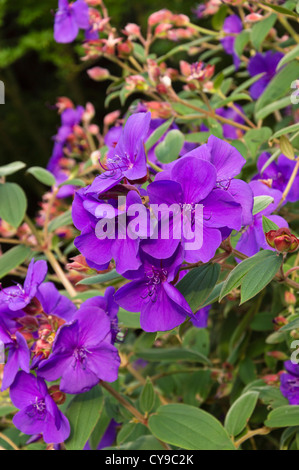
point(192, 181)
point(18, 358)
point(108, 437)
point(38, 413)
point(253, 237)
point(266, 64)
point(289, 383)
point(228, 163)
point(88, 210)
point(127, 159)
point(232, 24)
point(82, 353)
point(54, 303)
point(152, 293)
point(279, 173)
point(17, 297)
point(200, 319)
point(69, 18)
point(110, 307)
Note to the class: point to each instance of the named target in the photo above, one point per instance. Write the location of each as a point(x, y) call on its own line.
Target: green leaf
point(279, 85)
point(13, 258)
point(240, 412)
point(260, 275)
point(188, 427)
point(168, 150)
point(100, 278)
point(197, 137)
point(268, 225)
point(286, 130)
point(256, 137)
point(73, 182)
point(261, 203)
point(157, 134)
point(252, 274)
point(219, 17)
point(61, 220)
point(247, 84)
point(293, 325)
point(261, 29)
point(83, 413)
point(142, 443)
point(147, 397)
point(172, 355)
point(128, 319)
point(11, 168)
point(42, 175)
point(270, 108)
point(214, 295)
point(241, 41)
point(293, 54)
point(231, 99)
point(197, 285)
point(283, 416)
point(286, 147)
point(13, 204)
point(279, 9)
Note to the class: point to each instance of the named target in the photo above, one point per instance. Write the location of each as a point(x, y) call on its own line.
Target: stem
point(124, 402)
point(9, 441)
point(292, 270)
point(60, 273)
point(260, 432)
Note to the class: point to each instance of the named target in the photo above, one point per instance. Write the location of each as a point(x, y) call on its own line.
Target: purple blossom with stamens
point(82, 353)
point(69, 18)
point(278, 174)
point(232, 24)
point(54, 303)
point(289, 383)
point(152, 293)
point(253, 237)
point(128, 158)
point(88, 210)
point(17, 297)
point(192, 181)
point(266, 64)
point(38, 412)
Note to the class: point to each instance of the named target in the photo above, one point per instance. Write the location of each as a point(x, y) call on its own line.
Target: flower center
point(156, 276)
point(80, 355)
point(37, 410)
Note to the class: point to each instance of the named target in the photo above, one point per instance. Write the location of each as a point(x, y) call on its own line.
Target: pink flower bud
point(98, 73)
point(132, 29)
point(159, 17)
point(110, 118)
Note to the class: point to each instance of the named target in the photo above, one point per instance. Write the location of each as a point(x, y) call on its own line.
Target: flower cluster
point(45, 333)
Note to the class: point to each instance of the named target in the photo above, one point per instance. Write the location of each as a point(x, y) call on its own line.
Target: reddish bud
point(132, 29)
point(280, 356)
point(58, 396)
point(282, 240)
point(98, 73)
point(290, 298)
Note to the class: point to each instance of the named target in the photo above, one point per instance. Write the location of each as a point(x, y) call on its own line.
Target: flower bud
point(279, 355)
point(282, 240)
point(132, 29)
point(290, 298)
point(110, 118)
point(98, 73)
point(58, 396)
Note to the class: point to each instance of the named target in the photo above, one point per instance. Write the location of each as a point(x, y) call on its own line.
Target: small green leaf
point(157, 134)
point(261, 203)
point(240, 412)
point(83, 413)
point(197, 285)
point(172, 355)
point(293, 54)
point(12, 258)
point(270, 108)
point(61, 220)
point(11, 168)
point(42, 175)
point(99, 278)
point(169, 149)
point(147, 397)
point(188, 427)
point(283, 416)
point(13, 204)
point(241, 41)
point(73, 182)
point(269, 225)
point(286, 147)
point(256, 137)
point(286, 130)
point(261, 29)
